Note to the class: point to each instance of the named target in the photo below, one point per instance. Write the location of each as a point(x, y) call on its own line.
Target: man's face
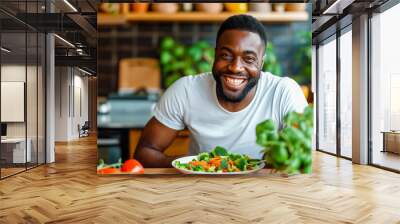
point(237, 65)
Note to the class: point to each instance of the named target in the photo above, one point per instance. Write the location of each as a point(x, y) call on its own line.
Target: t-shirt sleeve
point(170, 108)
point(293, 98)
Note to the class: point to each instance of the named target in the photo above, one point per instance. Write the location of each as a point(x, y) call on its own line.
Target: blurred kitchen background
point(50, 71)
point(143, 48)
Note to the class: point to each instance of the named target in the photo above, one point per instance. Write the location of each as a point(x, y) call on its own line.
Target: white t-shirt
point(192, 102)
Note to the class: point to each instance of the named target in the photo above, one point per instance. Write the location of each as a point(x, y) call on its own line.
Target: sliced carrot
point(216, 163)
point(195, 163)
point(203, 163)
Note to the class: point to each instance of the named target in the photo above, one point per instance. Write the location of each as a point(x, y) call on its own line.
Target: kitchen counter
point(120, 121)
point(163, 172)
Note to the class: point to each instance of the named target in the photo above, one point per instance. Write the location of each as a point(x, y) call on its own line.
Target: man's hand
point(154, 140)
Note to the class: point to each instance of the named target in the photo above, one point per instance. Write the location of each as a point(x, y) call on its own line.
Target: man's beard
point(251, 83)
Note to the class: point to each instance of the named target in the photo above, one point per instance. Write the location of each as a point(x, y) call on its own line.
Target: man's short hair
point(243, 22)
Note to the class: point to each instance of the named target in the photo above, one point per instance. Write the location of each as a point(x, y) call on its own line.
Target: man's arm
point(154, 140)
point(293, 98)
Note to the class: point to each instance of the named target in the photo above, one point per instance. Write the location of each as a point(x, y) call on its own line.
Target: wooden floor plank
point(70, 191)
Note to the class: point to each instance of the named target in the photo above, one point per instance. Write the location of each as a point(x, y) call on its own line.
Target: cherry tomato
point(132, 166)
point(107, 170)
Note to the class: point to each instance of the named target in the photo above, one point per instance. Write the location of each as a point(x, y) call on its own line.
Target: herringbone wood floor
point(69, 191)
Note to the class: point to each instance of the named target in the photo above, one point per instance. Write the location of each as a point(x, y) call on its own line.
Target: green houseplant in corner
point(302, 64)
point(271, 63)
point(178, 60)
point(303, 59)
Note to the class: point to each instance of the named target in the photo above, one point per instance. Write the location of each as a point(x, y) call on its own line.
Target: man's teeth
point(234, 81)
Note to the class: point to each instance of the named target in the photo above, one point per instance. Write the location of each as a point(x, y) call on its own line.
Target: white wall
point(17, 73)
point(33, 126)
point(14, 73)
point(71, 93)
point(62, 81)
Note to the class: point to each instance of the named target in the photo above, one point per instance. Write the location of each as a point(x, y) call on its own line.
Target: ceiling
point(39, 6)
point(331, 15)
point(72, 20)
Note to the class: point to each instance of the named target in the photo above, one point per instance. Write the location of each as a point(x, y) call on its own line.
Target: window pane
point(14, 152)
point(385, 84)
point(327, 96)
point(346, 93)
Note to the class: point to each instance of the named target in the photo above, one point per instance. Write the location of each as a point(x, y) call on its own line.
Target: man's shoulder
point(280, 82)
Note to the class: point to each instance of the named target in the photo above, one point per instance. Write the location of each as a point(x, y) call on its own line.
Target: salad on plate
point(219, 160)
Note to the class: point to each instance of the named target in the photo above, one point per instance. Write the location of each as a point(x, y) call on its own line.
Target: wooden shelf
point(271, 17)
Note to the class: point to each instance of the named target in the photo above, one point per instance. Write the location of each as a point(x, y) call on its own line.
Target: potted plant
point(303, 62)
point(187, 7)
point(295, 7)
point(167, 8)
point(236, 7)
point(260, 7)
point(279, 7)
point(110, 8)
point(271, 63)
point(178, 60)
point(139, 7)
point(209, 7)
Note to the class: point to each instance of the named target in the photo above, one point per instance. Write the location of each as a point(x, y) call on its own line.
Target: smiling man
point(222, 108)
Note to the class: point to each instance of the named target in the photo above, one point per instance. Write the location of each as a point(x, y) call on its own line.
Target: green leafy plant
point(303, 59)
point(178, 60)
point(102, 164)
point(271, 63)
point(288, 150)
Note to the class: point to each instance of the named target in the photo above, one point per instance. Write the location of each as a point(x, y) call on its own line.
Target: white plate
point(187, 159)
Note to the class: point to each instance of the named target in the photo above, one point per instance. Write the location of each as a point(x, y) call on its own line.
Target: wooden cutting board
point(136, 73)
